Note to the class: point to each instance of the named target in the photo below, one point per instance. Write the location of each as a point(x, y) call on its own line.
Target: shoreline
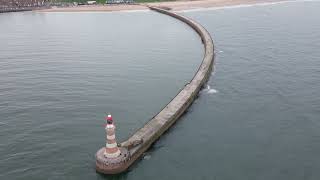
point(169, 5)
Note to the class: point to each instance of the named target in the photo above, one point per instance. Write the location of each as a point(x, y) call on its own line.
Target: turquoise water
point(257, 119)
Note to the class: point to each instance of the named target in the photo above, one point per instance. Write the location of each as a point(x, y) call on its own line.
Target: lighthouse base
point(112, 165)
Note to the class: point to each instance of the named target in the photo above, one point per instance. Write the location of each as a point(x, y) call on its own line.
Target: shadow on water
point(121, 176)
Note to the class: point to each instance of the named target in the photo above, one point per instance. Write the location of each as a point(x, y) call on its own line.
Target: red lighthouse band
point(112, 150)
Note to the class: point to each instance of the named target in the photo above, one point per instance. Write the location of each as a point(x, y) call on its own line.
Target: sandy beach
point(172, 5)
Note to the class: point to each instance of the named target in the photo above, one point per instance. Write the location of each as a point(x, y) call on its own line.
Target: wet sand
point(172, 5)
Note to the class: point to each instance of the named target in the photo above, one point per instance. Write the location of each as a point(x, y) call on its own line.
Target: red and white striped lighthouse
point(112, 150)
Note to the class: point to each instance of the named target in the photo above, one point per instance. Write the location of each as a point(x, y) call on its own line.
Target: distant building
point(119, 1)
point(22, 3)
point(91, 2)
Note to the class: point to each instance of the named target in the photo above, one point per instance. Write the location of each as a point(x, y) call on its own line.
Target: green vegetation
point(104, 1)
point(138, 1)
point(81, 1)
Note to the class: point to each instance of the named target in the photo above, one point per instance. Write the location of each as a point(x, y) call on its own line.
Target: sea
point(257, 118)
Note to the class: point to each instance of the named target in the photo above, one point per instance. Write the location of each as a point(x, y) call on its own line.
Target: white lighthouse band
point(111, 137)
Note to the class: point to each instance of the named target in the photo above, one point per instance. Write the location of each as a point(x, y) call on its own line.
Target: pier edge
point(143, 138)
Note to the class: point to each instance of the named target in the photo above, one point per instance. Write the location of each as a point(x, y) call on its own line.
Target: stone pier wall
point(142, 139)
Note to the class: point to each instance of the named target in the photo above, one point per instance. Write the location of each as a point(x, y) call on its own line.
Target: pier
point(142, 139)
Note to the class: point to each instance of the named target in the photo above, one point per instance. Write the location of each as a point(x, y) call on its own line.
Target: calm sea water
point(259, 117)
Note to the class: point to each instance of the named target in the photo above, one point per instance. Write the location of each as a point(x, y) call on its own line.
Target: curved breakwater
point(142, 139)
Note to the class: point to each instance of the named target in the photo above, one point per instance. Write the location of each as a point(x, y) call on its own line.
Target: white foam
point(210, 90)
point(147, 157)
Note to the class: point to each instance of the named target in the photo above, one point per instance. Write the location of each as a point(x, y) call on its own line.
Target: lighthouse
point(112, 150)
point(112, 158)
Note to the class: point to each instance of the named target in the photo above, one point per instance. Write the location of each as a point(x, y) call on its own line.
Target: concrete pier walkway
point(142, 139)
